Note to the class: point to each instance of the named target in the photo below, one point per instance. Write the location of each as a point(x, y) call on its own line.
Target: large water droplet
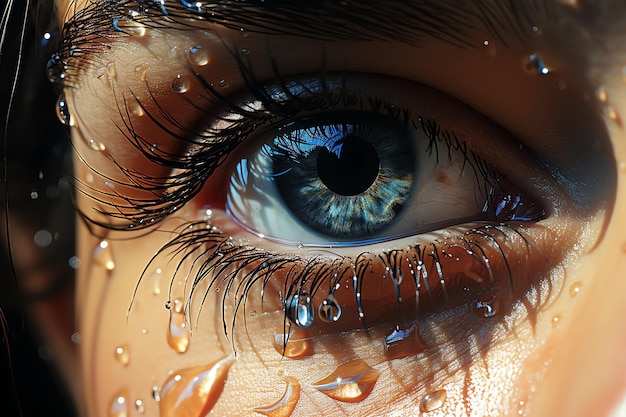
point(103, 255)
point(298, 343)
point(180, 84)
point(194, 391)
point(533, 64)
point(349, 382)
point(63, 111)
point(178, 332)
point(286, 404)
point(329, 310)
point(198, 55)
point(403, 342)
point(119, 405)
point(299, 309)
point(433, 400)
point(122, 354)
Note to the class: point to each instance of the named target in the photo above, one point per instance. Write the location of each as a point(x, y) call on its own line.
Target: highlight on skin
point(224, 271)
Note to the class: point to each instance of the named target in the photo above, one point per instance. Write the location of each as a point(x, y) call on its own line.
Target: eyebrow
point(90, 30)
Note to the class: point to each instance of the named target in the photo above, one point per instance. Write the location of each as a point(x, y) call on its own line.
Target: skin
point(567, 361)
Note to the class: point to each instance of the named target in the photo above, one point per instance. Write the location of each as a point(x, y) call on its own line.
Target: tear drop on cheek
point(350, 382)
point(122, 354)
point(297, 344)
point(533, 65)
point(285, 404)
point(55, 69)
point(194, 391)
point(178, 332)
point(103, 255)
point(433, 401)
point(299, 309)
point(119, 405)
point(198, 56)
point(63, 111)
point(403, 342)
point(575, 289)
point(180, 84)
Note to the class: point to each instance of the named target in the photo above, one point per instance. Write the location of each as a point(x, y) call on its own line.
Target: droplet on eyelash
point(180, 84)
point(489, 48)
point(223, 83)
point(286, 403)
point(103, 255)
point(575, 289)
point(433, 401)
point(198, 56)
point(298, 343)
point(95, 145)
point(122, 354)
point(487, 306)
point(533, 64)
point(403, 342)
point(349, 382)
point(140, 407)
point(119, 405)
point(168, 305)
point(156, 393)
point(55, 69)
point(135, 109)
point(63, 111)
point(329, 310)
point(178, 332)
point(155, 280)
point(194, 391)
point(299, 309)
point(602, 95)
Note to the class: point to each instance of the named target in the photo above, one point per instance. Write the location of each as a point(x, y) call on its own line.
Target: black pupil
point(353, 171)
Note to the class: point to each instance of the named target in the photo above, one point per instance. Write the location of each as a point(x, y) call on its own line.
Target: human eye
point(343, 225)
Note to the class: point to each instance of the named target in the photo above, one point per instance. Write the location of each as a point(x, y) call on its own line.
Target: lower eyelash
point(488, 261)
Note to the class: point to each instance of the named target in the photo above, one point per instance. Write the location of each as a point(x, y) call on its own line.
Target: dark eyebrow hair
point(91, 29)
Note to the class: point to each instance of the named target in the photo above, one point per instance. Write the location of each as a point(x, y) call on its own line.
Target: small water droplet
point(299, 309)
point(245, 51)
point(43, 238)
point(533, 64)
point(433, 400)
point(349, 382)
point(555, 320)
point(155, 279)
point(575, 289)
point(140, 407)
point(602, 95)
point(223, 83)
point(34, 195)
point(298, 344)
point(285, 404)
point(55, 69)
point(329, 310)
point(489, 49)
point(122, 354)
point(194, 391)
point(135, 109)
point(403, 342)
point(168, 304)
point(119, 405)
point(198, 55)
point(63, 111)
point(178, 332)
point(487, 306)
point(95, 145)
point(180, 84)
point(156, 393)
point(144, 331)
point(103, 255)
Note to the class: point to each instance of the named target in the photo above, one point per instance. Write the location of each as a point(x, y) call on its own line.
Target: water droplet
point(135, 109)
point(329, 310)
point(487, 306)
point(194, 391)
point(140, 407)
point(155, 279)
point(141, 71)
point(178, 332)
point(433, 400)
point(602, 95)
point(103, 255)
point(129, 27)
point(43, 238)
point(299, 309)
point(168, 304)
point(555, 320)
point(156, 393)
point(489, 48)
point(55, 69)
point(613, 115)
point(252, 313)
point(111, 70)
point(63, 111)
point(95, 145)
point(403, 342)
point(180, 84)
point(285, 404)
point(575, 289)
point(223, 83)
point(298, 344)
point(533, 65)
point(198, 56)
point(245, 51)
point(74, 262)
point(75, 338)
point(119, 405)
point(122, 354)
point(349, 382)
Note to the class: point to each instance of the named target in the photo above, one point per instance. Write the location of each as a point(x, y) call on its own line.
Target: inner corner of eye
point(353, 178)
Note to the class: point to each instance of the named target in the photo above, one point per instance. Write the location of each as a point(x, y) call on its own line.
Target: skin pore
point(536, 93)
